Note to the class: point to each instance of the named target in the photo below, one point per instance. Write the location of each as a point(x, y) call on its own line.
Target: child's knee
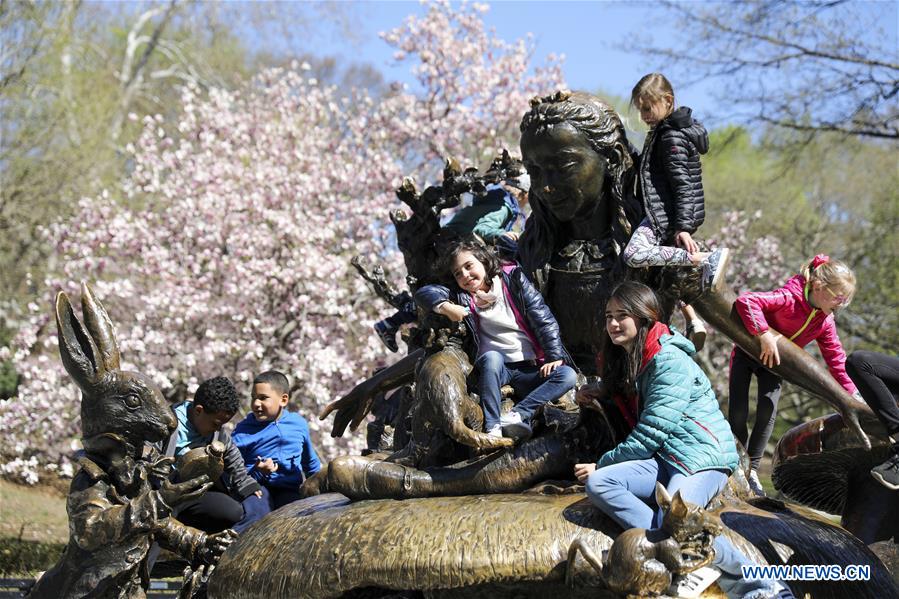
point(490, 361)
point(858, 362)
point(598, 484)
point(566, 376)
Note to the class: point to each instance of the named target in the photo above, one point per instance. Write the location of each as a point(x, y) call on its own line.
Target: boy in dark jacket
point(274, 442)
point(236, 499)
point(515, 337)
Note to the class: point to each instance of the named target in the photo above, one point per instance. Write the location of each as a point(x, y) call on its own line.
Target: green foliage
point(20, 557)
point(740, 174)
point(836, 196)
point(9, 380)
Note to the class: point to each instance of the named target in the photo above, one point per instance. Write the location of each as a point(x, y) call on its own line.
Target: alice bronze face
point(566, 173)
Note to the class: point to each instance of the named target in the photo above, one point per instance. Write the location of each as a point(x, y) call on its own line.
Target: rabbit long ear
point(100, 328)
point(79, 355)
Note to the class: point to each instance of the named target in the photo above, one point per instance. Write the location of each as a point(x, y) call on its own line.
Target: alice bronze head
point(572, 145)
point(575, 149)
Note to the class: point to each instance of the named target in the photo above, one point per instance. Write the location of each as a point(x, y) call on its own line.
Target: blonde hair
point(832, 274)
point(654, 87)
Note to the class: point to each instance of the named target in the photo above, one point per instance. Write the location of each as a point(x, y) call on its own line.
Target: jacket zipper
point(808, 320)
point(805, 293)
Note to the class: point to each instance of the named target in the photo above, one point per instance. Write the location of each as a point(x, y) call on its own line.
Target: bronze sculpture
point(822, 465)
point(642, 562)
point(120, 500)
point(474, 544)
point(576, 151)
point(485, 540)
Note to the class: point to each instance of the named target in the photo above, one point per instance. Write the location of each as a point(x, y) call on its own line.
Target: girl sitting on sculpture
point(679, 436)
point(802, 311)
point(515, 336)
point(669, 184)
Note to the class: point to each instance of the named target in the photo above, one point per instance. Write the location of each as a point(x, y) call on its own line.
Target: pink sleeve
point(752, 305)
point(834, 356)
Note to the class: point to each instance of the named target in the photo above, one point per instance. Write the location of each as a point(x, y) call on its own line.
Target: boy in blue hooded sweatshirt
point(274, 442)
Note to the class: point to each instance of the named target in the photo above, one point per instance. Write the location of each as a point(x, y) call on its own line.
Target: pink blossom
point(240, 216)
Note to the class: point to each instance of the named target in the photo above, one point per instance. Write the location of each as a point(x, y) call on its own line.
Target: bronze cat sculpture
point(642, 563)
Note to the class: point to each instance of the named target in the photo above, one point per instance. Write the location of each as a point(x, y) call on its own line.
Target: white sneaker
point(755, 485)
point(510, 417)
point(514, 426)
point(495, 431)
point(713, 268)
point(693, 584)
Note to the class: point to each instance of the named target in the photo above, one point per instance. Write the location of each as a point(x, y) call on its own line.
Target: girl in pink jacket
point(802, 311)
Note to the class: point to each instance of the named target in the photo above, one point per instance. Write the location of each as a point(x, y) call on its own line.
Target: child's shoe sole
point(718, 278)
point(698, 339)
point(517, 430)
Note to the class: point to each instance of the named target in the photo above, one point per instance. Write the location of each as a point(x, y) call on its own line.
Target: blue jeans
point(525, 379)
point(254, 508)
point(626, 493)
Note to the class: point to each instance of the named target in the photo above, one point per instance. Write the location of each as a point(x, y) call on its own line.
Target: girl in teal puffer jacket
point(679, 436)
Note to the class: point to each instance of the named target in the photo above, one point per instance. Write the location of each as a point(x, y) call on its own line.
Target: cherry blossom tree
point(225, 249)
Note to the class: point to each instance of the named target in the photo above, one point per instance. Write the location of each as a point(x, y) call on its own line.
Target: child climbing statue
point(491, 217)
point(670, 187)
point(802, 311)
point(515, 334)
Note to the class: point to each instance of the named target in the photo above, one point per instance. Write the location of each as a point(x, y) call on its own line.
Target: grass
point(33, 528)
point(24, 559)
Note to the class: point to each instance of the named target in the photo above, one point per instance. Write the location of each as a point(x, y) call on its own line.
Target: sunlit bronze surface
point(501, 546)
point(822, 464)
point(473, 543)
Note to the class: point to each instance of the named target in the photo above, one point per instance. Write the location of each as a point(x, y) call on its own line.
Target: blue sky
point(589, 33)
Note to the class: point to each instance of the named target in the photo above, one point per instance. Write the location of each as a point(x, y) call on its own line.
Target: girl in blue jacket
point(515, 335)
point(679, 437)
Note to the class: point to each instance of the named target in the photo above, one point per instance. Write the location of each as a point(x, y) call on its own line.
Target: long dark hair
point(619, 366)
point(603, 130)
point(481, 252)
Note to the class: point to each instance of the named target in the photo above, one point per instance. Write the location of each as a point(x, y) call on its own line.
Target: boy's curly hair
point(217, 395)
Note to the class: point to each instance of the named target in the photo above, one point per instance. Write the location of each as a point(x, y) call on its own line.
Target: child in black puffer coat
point(670, 187)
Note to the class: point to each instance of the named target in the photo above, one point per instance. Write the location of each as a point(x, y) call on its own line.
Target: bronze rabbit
point(120, 500)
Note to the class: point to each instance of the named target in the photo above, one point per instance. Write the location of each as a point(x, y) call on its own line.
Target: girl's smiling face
point(469, 273)
point(621, 326)
point(567, 174)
